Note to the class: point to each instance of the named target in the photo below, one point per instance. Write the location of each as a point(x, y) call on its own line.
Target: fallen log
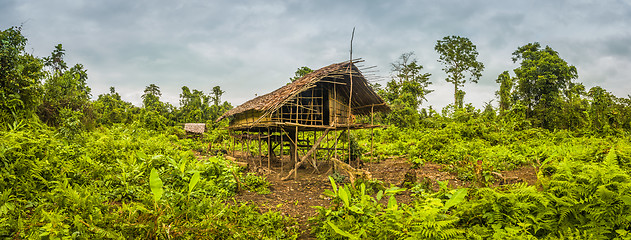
point(353, 173)
point(235, 162)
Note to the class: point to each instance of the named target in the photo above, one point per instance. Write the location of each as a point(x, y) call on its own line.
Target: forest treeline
point(542, 92)
point(47, 88)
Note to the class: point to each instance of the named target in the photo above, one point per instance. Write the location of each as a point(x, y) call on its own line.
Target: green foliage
point(300, 72)
point(20, 76)
point(256, 183)
point(406, 91)
point(65, 90)
point(542, 79)
point(591, 199)
point(155, 183)
point(505, 92)
point(354, 214)
point(121, 182)
point(196, 107)
point(111, 109)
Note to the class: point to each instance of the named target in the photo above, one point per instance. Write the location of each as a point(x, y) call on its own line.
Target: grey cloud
point(253, 47)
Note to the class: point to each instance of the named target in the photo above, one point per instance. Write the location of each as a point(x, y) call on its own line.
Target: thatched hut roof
point(199, 128)
point(364, 98)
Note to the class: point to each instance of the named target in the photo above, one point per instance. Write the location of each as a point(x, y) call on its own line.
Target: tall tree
point(406, 90)
point(216, 96)
point(505, 92)
point(56, 59)
point(66, 92)
point(459, 56)
point(151, 97)
point(542, 79)
point(408, 82)
point(20, 77)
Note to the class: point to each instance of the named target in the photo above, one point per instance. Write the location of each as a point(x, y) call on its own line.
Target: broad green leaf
point(329, 193)
point(363, 189)
point(141, 155)
point(333, 184)
point(344, 196)
point(457, 197)
point(193, 182)
point(394, 190)
point(379, 195)
point(155, 183)
point(356, 209)
point(342, 232)
point(392, 203)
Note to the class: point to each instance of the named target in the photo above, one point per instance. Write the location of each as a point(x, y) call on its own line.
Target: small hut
point(323, 101)
point(195, 128)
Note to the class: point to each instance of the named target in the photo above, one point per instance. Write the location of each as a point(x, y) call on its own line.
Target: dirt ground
point(295, 197)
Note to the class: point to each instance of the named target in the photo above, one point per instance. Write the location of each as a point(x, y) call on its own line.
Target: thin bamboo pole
point(282, 145)
point(372, 134)
point(350, 97)
point(233, 142)
point(270, 149)
point(315, 161)
point(296, 155)
point(260, 155)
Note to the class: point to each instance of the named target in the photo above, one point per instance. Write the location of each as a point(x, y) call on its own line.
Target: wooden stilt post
point(270, 149)
point(282, 146)
point(350, 98)
point(372, 133)
point(247, 145)
point(242, 144)
point(335, 146)
point(315, 162)
point(260, 155)
point(296, 155)
point(234, 137)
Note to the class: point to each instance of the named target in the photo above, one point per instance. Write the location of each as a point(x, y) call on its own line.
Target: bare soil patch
point(295, 197)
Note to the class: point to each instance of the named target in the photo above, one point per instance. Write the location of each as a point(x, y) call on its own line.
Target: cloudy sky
point(253, 47)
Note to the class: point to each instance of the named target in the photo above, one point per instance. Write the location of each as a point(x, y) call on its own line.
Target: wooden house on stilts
point(317, 108)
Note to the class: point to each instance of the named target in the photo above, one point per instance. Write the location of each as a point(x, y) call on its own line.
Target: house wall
point(338, 108)
point(322, 105)
point(248, 118)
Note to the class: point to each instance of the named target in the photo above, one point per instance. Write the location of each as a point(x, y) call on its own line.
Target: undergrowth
point(123, 182)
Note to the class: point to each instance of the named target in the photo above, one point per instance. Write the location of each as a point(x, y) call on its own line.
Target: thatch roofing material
point(195, 127)
point(363, 96)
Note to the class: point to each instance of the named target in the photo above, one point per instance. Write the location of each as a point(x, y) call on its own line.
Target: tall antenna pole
point(350, 97)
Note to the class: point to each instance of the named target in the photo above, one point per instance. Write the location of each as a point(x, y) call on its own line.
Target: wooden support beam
point(282, 146)
point(295, 155)
point(306, 156)
point(372, 133)
point(270, 149)
point(260, 155)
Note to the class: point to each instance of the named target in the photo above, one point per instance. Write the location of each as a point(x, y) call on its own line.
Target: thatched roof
point(195, 127)
point(363, 96)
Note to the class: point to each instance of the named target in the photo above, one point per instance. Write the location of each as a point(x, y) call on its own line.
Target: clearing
point(295, 197)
